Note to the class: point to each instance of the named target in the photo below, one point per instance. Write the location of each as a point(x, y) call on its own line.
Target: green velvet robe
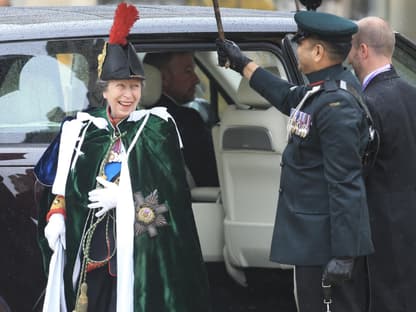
point(169, 270)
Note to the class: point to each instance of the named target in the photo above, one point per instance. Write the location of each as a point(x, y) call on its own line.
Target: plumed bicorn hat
point(119, 59)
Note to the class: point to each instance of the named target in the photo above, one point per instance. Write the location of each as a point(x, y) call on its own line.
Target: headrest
point(153, 86)
point(41, 66)
point(59, 84)
point(246, 96)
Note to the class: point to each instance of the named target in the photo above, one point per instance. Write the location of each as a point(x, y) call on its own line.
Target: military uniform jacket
point(169, 272)
point(391, 191)
point(322, 209)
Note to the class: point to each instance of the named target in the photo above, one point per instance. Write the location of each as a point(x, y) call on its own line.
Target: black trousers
point(102, 290)
point(349, 296)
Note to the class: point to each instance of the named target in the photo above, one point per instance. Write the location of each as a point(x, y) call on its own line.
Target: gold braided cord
point(86, 244)
point(101, 58)
point(88, 234)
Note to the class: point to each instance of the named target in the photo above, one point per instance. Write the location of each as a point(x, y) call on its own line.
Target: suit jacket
point(322, 208)
point(391, 191)
point(198, 149)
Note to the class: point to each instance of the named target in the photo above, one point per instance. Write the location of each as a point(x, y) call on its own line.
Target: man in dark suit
point(179, 81)
point(391, 183)
point(322, 225)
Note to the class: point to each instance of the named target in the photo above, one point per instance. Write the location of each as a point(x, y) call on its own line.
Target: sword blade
point(218, 19)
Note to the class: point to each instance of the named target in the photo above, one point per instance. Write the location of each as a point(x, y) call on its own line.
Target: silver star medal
point(148, 213)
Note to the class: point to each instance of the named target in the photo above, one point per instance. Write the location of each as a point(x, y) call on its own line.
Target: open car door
point(404, 58)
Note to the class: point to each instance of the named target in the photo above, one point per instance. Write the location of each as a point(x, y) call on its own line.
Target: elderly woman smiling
point(119, 209)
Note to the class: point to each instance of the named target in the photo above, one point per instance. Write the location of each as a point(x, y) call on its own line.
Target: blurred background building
point(398, 12)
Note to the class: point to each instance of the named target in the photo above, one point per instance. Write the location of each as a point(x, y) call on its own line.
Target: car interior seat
point(250, 140)
point(153, 86)
point(151, 94)
point(48, 90)
point(39, 92)
point(208, 212)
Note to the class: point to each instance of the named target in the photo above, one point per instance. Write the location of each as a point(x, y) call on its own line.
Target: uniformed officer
point(322, 225)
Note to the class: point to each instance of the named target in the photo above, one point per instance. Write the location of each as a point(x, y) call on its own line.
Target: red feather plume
point(124, 18)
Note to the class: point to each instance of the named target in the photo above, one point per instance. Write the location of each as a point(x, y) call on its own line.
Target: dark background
point(268, 290)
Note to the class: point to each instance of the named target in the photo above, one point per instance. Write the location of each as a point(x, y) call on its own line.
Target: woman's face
point(123, 96)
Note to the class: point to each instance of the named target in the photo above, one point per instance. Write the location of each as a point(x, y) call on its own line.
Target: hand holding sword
point(229, 54)
point(218, 19)
point(221, 61)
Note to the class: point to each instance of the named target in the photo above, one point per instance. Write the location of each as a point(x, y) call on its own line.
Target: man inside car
point(179, 82)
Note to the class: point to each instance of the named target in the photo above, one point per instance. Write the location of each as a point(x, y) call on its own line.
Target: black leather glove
point(228, 51)
point(338, 270)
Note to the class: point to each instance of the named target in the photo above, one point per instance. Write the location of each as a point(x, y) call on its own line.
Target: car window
point(226, 82)
point(202, 101)
point(44, 82)
point(40, 85)
point(219, 86)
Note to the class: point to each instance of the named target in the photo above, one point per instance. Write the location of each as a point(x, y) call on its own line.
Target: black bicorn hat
point(119, 59)
point(325, 26)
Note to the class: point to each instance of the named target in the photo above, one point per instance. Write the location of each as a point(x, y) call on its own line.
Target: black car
point(48, 71)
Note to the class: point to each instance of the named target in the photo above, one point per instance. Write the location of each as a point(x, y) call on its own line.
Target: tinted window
point(42, 83)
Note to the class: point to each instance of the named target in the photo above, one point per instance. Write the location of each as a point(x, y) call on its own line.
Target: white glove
point(55, 230)
point(105, 198)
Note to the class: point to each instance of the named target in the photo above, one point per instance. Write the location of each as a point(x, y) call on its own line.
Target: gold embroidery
point(334, 104)
point(58, 203)
point(101, 58)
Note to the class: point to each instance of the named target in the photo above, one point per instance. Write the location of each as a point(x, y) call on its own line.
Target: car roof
point(30, 23)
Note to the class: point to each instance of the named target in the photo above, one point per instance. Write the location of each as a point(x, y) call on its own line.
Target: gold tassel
point(82, 302)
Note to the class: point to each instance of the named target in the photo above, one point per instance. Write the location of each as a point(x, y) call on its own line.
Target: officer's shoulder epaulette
point(373, 145)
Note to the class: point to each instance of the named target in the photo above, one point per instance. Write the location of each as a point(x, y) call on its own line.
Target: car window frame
point(405, 48)
point(215, 88)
